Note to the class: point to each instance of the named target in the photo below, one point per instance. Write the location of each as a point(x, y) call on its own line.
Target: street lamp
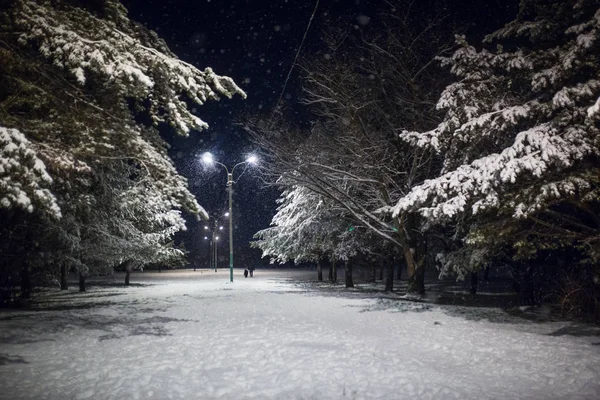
point(208, 159)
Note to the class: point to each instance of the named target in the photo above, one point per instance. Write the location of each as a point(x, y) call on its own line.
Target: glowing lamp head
point(252, 159)
point(208, 158)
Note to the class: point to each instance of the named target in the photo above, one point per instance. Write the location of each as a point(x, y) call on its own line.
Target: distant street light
point(208, 159)
point(213, 239)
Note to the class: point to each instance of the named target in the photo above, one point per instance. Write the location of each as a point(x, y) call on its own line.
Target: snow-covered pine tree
point(299, 231)
point(520, 136)
point(310, 228)
point(88, 89)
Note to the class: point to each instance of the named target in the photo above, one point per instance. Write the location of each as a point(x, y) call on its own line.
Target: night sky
point(254, 42)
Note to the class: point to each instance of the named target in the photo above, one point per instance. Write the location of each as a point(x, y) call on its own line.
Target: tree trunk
point(319, 270)
point(420, 263)
point(411, 269)
point(348, 273)
point(25, 282)
point(373, 273)
point(486, 273)
point(381, 268)
point(128, 268)
point(63, 277)
point(474, 279)
point(389, 279)
point(414, 249)
point(596, 297)
point(399, 271)
point(330, 272)
point(81, 282)
point(334, 268)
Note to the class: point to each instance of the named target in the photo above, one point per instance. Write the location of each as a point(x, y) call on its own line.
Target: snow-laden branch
point(88, 47)
point(23, 176)
point(533, 153)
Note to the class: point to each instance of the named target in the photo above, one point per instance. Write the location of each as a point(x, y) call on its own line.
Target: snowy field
point(193, 335)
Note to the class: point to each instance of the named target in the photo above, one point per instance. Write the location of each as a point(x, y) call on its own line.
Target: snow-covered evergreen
point(521, 120)
point(304, 229)
point(78, 80)
point(519, 143)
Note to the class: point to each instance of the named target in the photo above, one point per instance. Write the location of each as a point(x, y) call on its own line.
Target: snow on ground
point(194, 335)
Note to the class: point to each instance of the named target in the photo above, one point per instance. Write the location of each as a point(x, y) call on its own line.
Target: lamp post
point(208, 159)
point(215, 252)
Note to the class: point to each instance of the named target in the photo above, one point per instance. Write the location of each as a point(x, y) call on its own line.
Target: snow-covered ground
point(193, 335)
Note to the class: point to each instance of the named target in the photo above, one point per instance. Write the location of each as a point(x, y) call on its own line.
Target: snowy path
point(185, 336)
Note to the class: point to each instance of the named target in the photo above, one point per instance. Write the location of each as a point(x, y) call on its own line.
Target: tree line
point(85, 180)
point(441, 153)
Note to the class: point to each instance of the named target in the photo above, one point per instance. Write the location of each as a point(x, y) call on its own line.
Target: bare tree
point(363, 92)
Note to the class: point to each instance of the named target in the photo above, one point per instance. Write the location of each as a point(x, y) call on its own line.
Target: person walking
point(245, 273)
point(251, 271)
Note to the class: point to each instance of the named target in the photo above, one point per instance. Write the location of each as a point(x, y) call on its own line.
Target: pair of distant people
point(249, 271)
